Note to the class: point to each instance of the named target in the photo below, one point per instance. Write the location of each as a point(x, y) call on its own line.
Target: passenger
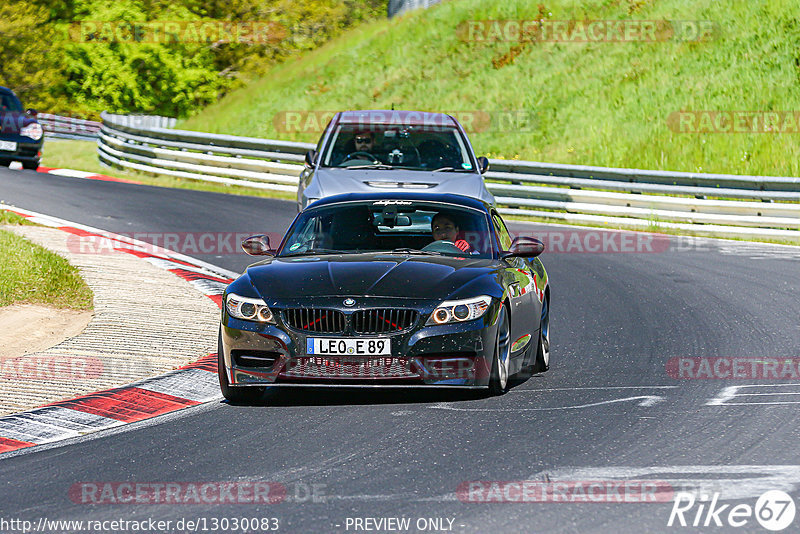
point(444, 228)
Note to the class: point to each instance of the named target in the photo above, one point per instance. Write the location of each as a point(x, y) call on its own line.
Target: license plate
point(8, 145)
point(317, 346)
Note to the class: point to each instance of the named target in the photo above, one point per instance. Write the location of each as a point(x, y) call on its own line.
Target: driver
point(444, 228)
point(364, 142)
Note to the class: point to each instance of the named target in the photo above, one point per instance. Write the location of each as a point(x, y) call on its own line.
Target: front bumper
point(27, 150)
point(455, 355)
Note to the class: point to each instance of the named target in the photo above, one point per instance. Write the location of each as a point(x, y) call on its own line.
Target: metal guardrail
point(68, 127)
point(626, 198)
point(226, 159)
point(143, 121)
point(75, 128)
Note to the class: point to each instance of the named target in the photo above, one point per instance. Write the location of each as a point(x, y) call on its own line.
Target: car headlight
point(249, 309)
point(34, 131)
point(459, 311)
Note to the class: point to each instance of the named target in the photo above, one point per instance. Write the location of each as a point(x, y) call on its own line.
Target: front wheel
point(542, 362)
point(234, 395)
point(501, 362)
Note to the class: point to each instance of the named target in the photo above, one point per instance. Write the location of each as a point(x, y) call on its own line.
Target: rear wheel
point(542, 362)
point(499, 377)
point(32, 165)
point(234, 395)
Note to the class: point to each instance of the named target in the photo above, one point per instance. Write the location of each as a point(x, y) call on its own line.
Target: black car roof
point(450, 198)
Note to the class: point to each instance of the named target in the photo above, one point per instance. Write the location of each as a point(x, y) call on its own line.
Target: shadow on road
point(349, 396)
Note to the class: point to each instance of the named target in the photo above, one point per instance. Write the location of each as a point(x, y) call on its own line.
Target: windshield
point(402, 227)
point(391, 146)
point(9, 102)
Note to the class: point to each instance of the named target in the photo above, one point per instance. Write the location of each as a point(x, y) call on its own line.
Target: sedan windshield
point(389, 146)
point(391, 226)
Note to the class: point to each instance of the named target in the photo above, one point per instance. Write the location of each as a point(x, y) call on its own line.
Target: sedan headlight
point(249, 309)
point(459, 311)
point(34, 131)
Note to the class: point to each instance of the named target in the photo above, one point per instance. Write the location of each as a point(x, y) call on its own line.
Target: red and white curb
point(84, 174)
point(187, 386)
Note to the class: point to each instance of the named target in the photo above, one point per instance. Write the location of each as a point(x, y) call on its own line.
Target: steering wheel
point(445, 247)
point(355, 155)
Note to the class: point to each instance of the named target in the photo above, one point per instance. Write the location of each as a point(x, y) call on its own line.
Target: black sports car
point(393, 289)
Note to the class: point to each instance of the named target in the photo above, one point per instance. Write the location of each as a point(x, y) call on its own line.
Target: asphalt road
point(608, 409)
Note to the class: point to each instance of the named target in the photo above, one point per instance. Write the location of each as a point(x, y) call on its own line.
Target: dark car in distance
point(21, 135)
point(392, 289)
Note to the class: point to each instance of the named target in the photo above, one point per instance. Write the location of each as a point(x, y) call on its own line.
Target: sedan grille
point(315, 320)
point(383, 320)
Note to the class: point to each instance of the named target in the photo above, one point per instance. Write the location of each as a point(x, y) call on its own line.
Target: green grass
point(595, 103)
point(82, 155)
point(31, 274)
point(7, 217)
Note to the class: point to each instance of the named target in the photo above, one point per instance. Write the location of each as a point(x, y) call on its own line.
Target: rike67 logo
point(774, 510)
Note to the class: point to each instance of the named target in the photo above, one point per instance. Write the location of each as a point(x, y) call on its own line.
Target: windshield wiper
point(317, 252)
point(450, 169)
point(381, 166)
point(406, 250)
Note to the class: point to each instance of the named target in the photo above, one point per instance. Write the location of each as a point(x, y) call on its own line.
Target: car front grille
point(319, 320)
point(347, 368)
point(383, 320)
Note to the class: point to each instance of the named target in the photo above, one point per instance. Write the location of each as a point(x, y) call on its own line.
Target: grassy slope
point(596, 103)
point(32, 274)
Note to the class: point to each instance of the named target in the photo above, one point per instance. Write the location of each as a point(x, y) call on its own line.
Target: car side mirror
point(32, 112)
point(483, 164)
point(311, 158)
point(524, 247)
point(257, 245)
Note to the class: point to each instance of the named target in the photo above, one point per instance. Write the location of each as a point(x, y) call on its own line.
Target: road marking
point(734, 482)
point(645, 400)
point(732, 392)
